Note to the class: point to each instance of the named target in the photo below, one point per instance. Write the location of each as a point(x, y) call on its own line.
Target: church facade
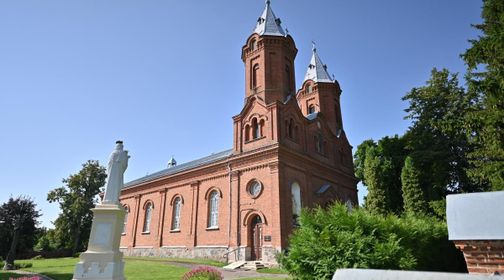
point(289, 151)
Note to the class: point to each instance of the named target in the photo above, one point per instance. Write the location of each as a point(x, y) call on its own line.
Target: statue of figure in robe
point(118, 162)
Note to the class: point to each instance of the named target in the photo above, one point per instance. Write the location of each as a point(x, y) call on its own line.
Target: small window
point(311, 109)
point(257, 128)
point(319, 144)
point(148, 216)
point(125, 222)
point(253, 45)
point(309, 88)
point(255, 73)
point(177, 204)
point(296, 203)
point(247, 132)
point(213, 210)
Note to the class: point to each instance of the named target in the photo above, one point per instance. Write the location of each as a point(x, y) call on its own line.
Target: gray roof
point(317, 71)
point(312, 116)
point(182, 167)
point(323, 188)
point(268, 23)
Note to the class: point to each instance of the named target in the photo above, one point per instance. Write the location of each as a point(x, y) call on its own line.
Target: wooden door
point(257, 238)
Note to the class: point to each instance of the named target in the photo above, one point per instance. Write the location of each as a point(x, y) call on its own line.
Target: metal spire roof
point(268, 23)
point(317, 71)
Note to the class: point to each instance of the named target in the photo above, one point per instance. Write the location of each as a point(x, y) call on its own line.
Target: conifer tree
point(413, 196)
point(377, 200)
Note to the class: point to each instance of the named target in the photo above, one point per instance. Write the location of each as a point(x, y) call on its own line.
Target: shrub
point(203, 273)
point(22, 265)
point(336, 238)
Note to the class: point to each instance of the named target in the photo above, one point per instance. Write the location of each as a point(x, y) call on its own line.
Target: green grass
point(136, 269)
point(273, 271)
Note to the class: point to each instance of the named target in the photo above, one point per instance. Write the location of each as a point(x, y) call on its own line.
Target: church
point(290, 151)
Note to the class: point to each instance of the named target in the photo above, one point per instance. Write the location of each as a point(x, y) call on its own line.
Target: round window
point(255, 188)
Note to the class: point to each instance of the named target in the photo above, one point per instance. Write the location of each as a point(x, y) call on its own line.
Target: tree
point(413, 196)
point(485, 62)
point(382, 173)
point(19, 216)
point(76, 199)
point(438, 135)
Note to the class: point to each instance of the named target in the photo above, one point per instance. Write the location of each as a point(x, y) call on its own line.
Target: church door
point(256, 238)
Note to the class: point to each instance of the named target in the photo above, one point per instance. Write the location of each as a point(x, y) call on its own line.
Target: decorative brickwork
point(483, 257)
point(276, 143)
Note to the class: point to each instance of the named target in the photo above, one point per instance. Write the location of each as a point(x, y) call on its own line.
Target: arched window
point(261, 128)
point(148, 215)
point(290, 129)
point(309, 88)
point(213, 210)
point(311, 109)
point(177, 205)
point(296, 202)
point(288, 78)
point(247, 132)
point(125, 222)
point(255, 72)
point(319, 144)
point(253, 45)
point(256, 128)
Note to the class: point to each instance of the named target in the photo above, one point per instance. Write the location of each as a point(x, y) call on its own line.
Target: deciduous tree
point(19, 216)
point(76, 199)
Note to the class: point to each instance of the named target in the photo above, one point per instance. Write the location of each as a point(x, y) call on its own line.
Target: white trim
point(173, 247)
point(211, 246)
point(123, 247)
point(143, 247)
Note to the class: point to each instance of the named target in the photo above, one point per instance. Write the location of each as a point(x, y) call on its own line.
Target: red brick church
point(289, 151)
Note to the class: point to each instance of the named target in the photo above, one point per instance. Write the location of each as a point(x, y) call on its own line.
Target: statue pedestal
point(103, 260)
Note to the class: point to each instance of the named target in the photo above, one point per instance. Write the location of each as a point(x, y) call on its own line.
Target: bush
point(336, 238)
point(22, 265)
point(203, 273)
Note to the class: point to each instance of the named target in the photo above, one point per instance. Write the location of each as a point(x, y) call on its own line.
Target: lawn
point(136, 269)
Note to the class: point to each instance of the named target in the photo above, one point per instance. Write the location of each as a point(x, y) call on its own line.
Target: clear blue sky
point(166, 76)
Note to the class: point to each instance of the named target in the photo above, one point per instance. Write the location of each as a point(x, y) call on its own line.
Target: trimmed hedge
point(334, 238)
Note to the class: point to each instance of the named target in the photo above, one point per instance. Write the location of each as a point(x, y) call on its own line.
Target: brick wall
point(483, 256)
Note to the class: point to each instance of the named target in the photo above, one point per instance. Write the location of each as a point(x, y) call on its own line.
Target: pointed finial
point(286, 31)
point(268, 2)
point(314, 46)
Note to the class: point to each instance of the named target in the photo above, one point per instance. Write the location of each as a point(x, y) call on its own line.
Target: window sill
point(175, 230)
point(145, 232)
point(256, 139)
point(212, 228)
point(123, 234)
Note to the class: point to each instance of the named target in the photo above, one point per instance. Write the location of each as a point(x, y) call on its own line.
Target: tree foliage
point(485, 62)
point(334, 238)
point(76, 199)
point(19, 216)
point(379, 166)
point(413, 196)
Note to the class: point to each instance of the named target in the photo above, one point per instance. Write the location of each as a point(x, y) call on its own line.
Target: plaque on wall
point(267, 238)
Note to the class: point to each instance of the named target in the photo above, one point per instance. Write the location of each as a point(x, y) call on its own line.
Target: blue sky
point(166, 76)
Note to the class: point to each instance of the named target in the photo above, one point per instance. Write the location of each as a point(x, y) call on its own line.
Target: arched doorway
point(256, 237)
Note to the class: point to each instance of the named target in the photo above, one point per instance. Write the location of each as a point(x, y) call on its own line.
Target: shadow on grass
point(4, 275)
point(58, 275)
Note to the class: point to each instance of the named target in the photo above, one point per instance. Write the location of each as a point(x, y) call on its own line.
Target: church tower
point(321, 93)
point(268, 56)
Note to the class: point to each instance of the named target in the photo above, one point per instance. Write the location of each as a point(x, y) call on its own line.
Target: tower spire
point(317, 71)
point(268, 23)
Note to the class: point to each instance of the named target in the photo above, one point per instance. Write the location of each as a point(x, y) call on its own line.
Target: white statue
point(118, 162)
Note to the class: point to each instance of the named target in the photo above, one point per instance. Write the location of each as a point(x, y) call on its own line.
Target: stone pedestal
point(103, 260)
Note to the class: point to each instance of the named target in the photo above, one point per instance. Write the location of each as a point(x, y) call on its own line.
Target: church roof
point(317, 71)
point(268, 23)
point(181, 167)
